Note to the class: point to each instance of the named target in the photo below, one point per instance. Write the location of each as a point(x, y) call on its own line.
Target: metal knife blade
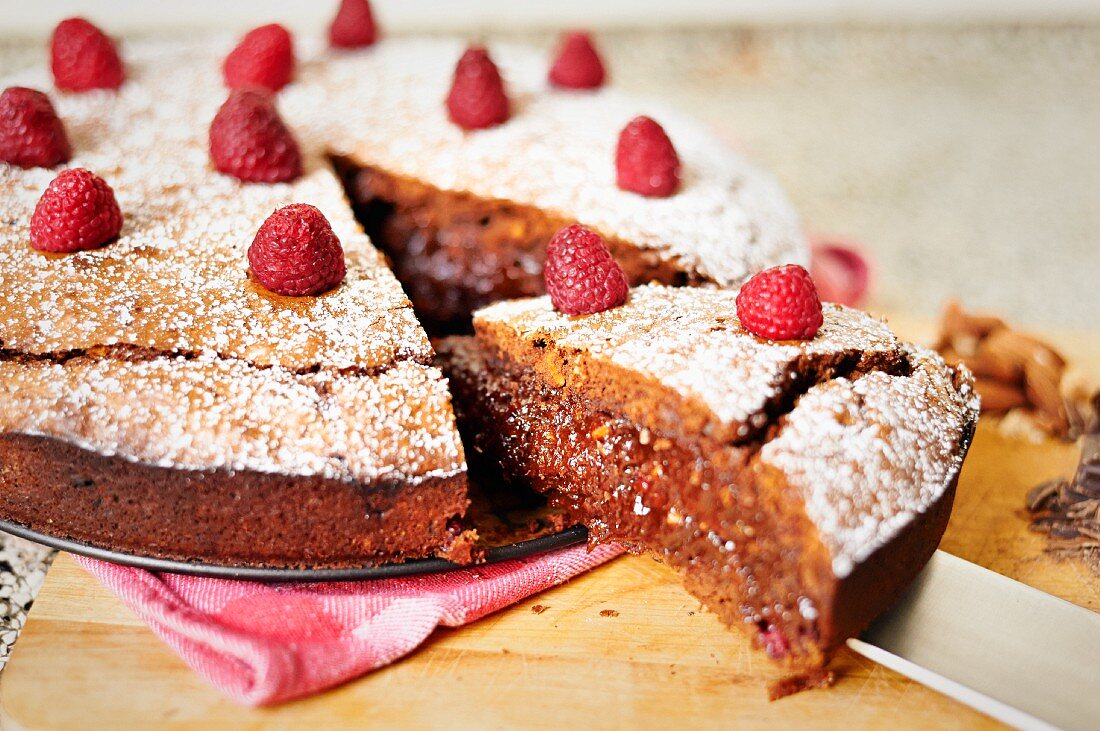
point(1010, 651)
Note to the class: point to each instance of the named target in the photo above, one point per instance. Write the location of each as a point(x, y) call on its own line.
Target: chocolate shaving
point(1068, 511)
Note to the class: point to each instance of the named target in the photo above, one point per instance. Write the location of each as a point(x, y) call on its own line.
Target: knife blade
point(1008, 650)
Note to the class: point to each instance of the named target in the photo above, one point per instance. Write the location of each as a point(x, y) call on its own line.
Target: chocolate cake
point(796, 485)
point(159, 400)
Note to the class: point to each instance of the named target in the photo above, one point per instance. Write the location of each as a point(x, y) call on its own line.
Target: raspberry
point(645, 160)
point(578, 65)
point(249, 141)
point(353, 26)
point(780, 303)
point(296, 252)
point(264, 57)
point(82, 57)
point(775, 643)
point(477, 99)
point(78, 211)
point(31, 134)
point(581, 276)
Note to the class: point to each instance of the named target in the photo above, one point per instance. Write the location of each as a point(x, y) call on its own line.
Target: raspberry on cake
point(645, 160)
point(78, 211)
point(264, 57)
point(249, 140)
point(295, 252)
point(477, 98)
point(780, 303)
point(578, 64)
point(31, 133)
point(581, 277)
point(353, 26)
point(797, 486)
point(82, 57)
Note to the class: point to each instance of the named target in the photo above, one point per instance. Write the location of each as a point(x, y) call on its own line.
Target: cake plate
point(507, 552)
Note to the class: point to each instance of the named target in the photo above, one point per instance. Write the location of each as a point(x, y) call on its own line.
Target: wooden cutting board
point(623, 646)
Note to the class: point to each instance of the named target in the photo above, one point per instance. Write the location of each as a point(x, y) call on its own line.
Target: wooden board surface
point(84, 662)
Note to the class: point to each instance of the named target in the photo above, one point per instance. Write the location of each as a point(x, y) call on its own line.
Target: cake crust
point(224, 517)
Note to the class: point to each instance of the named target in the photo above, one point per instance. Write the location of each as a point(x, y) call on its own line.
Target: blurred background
point(956, 142)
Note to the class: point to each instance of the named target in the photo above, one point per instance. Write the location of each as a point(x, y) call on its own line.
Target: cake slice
point(798, 486)
point(156, 399)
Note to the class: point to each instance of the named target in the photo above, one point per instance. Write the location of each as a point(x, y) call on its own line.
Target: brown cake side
point(222, 517)
point(729, 508)
point(215, 460)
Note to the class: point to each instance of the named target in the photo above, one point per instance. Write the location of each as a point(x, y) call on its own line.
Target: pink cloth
point(267, 643)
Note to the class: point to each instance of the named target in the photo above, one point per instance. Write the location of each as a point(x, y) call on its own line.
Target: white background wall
point(19, 17)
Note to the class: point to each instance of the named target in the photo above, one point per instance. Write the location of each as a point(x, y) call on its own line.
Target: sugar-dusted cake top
point(689, 342)
point(177, 279)
point(870, 430)
point(868, 455)
point(209, 413)
point(384, 107)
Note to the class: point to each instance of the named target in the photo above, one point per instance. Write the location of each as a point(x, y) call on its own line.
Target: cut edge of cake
point(799, 529)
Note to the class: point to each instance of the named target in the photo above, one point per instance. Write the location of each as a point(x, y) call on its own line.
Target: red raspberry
point(780, 303)
point(264, 57)
point(477, 99)
point(578, 65)
point(82, 57)
point(645, 160)
point(31, 134)
point(581, 276)
point(249, 141)
point(353, 26)
point(78, 211)
point(296, 252)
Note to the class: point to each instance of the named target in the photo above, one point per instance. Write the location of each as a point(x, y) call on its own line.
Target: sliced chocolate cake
point(158, 399)
point(797, 485)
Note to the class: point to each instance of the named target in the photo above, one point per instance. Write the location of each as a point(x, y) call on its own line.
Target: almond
point(1011, 344)
point(997, 397)
point(995, 357)
point(1041, 385)
point(957, 322)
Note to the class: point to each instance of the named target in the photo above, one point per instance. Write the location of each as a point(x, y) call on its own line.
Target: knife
point(1010, 651)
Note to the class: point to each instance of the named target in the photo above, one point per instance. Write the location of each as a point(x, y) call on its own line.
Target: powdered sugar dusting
point(690, 340)
point(868, 454)
point(872, 454)
point(330, 385)
point(209, 413)
point(177, 278)
point(556, 152)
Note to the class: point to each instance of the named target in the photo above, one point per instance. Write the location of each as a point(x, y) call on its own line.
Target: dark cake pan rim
point(524, 549)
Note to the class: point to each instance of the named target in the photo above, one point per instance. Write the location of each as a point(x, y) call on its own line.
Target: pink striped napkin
point(261, 644)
